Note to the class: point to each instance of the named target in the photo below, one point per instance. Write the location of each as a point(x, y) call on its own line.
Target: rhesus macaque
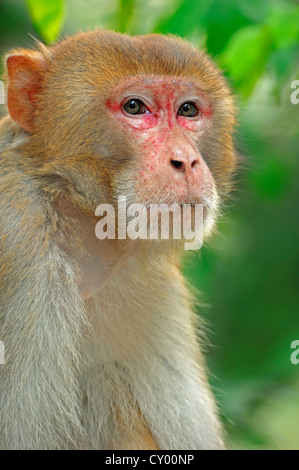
point(100, 338)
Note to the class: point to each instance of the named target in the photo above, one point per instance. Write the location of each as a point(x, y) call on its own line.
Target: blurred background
point(249, 273)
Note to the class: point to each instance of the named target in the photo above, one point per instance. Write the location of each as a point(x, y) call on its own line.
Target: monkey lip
point(180, 204)
point(181, 207)
point(171, 205)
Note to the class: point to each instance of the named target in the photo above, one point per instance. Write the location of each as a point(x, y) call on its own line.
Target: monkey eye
point(135, 107)
point(188, 109)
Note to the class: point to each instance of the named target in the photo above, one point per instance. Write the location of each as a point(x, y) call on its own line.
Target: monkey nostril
point(181, 165)
point(178, 165)
point(194, 163)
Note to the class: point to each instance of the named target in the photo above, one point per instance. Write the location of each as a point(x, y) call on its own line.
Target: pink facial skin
point(171, 168)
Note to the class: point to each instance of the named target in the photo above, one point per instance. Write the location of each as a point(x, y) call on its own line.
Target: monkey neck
point(123, 312)
point(113, 264)
point(99, 261)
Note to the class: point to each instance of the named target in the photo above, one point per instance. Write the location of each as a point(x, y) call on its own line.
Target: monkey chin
point(175, 237)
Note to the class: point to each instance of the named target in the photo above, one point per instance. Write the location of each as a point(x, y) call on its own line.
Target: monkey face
point(166, 118)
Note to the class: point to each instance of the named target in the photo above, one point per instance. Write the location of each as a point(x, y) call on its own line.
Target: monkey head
point(150, 118)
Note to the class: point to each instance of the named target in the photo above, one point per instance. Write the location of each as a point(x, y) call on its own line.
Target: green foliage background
point(249, 274)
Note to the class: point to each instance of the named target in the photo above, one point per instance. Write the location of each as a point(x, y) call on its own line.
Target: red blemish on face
point(187, 123)
point(114, 107)
point(207, 111)
point(143, 122)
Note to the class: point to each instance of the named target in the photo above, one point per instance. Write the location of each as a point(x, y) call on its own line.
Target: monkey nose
point(184, 164)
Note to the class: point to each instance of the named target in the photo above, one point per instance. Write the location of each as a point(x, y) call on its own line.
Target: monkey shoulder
point(25, 211)
point(11, 135)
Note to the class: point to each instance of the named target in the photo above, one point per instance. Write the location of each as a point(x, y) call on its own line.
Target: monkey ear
point(25, 76)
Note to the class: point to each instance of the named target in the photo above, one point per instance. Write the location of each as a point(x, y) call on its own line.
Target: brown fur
point(121, 369)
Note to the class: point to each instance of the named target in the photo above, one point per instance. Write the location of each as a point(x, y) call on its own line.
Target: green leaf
point(185, 20)
point(223, 20)
point(47, 17)
point(284, 25)
point(246, 56)
point(126, 12)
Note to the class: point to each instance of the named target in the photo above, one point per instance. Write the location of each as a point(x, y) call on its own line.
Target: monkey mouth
point(208, 206)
